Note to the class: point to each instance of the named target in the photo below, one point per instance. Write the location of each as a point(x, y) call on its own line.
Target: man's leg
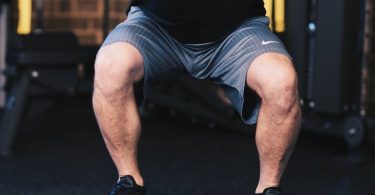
point(117, 67)
point(274, 79)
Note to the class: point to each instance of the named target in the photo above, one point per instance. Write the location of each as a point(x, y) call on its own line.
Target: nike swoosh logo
point(268, 42)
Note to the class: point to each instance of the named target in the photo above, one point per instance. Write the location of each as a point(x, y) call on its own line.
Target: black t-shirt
point(198, 21)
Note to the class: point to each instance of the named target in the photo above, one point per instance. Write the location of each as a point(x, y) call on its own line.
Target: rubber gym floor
point(59, 150)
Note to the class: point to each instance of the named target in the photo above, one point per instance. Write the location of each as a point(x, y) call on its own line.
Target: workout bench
point(28, 57)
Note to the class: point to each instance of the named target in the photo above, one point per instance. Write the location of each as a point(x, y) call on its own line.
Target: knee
point(116, 73)
point(281, 89)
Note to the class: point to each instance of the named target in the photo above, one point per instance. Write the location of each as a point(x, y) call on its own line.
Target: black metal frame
point(13, 111)
point(198, 99)
point(330, 40)
point(34, 56)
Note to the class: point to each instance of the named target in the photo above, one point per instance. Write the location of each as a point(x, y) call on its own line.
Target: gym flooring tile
point(59, 150)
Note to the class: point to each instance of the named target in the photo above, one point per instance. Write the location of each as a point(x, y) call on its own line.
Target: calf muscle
point(117, 67)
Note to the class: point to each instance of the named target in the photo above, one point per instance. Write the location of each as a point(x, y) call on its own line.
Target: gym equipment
point(368, 72)
point(40, 64)
point(325, 37)
point(195, 98)
point(276, 12)
point(24, 23)
point(268, 4)
point(279, 16)
point(3, 38)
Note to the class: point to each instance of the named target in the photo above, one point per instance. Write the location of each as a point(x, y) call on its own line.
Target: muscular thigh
point(159, 51)
point(236, 54)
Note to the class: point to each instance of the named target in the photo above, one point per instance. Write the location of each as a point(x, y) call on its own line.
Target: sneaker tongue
point(127, 181)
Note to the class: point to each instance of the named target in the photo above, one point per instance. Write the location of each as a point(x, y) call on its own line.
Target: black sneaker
point(127, 186)
point(271, 191)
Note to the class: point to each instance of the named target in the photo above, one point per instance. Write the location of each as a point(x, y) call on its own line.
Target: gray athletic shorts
point(225, 62)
